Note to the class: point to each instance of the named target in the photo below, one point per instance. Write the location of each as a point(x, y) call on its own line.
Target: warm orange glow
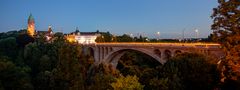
point(197, 45)
point(70, 38)
point(31, 29)
point(31, 26)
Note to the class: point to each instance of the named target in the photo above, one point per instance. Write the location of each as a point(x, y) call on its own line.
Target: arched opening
point(90, 51)
point(134, 62)
point(137, 58)
point(137, 63)
point(167, 54)
point(157, 52)
point(114, 57)
point(111, 49)
point(177, 52)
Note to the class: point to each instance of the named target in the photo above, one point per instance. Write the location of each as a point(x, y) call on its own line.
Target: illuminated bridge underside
point(111, 52)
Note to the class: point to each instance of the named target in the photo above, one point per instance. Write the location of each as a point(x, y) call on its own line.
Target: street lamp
point(183, 35)
point(114, 38)
point(103, 39)
point(197, 33)
point(131, 35)
point(147, 39)
point(158, 33)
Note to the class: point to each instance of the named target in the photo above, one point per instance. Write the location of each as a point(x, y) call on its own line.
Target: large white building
point(83, 37)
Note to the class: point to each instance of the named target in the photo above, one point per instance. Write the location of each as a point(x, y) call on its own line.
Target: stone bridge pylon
point(111, 52)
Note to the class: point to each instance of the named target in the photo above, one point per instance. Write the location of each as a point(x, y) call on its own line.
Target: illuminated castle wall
point(31, 26)
point(82, 37)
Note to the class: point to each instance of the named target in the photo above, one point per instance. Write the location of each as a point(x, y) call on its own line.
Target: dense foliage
point(127, 83)
point(226, 31)
point(184, 71)
point(190, 71)
point(108, 37)
point(58, 64)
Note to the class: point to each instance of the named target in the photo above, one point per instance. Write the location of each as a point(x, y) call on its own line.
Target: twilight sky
point(146, 17)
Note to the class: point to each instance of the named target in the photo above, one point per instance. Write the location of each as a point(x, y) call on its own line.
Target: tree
point(104, 37)
point(189, 71)
point(101, 76)
point(13, 77)
point(32, 55)
point(70, 71)
point(226, 31)
point(124, 38)
point(24, 39)
point(9, 34)
point(8, 47)
point(139, 64)
point(127, 83)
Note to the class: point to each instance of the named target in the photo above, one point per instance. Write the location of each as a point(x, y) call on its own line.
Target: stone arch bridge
point(111, 52)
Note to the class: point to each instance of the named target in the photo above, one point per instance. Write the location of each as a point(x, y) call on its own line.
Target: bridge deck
point(199, 45)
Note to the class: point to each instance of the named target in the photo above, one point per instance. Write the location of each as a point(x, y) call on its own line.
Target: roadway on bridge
point(203, 45)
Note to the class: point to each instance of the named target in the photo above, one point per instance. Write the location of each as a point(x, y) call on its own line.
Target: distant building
point(77, 36)
point(31, 26)
point(82, 37)
point(47, 34)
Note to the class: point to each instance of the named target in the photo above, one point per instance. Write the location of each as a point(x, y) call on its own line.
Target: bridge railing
point(197, 45)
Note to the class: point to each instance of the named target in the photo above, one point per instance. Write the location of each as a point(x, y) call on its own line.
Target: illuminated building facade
point(82, 37)
point(47, 34)
point(31, 26)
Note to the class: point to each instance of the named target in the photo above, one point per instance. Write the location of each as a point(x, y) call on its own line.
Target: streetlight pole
point(132, 37)
point(158, 33)
point(183, 35)
point(197, 34)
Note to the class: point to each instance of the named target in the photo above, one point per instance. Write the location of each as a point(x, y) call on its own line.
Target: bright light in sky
point(115, 16)
point(196, 30)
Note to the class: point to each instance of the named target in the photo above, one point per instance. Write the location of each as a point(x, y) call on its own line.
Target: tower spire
point(49, 29)
point(77, 29)
point(31, 25)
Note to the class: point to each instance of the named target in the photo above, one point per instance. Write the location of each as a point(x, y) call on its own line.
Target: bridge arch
point(115, 56)
point(177, 52)
point(158, 52)
point(167, 54)
point(112, 52)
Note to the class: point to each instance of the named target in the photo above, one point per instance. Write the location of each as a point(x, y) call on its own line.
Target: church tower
point(31, 26)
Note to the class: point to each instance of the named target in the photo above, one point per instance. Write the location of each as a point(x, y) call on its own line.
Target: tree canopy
point(127, 83)
point(226, 31)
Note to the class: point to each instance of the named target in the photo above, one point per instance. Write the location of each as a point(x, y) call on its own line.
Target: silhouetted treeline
point(108, 37)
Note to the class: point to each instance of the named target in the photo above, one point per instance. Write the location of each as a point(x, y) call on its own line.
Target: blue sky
point(169, 17)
